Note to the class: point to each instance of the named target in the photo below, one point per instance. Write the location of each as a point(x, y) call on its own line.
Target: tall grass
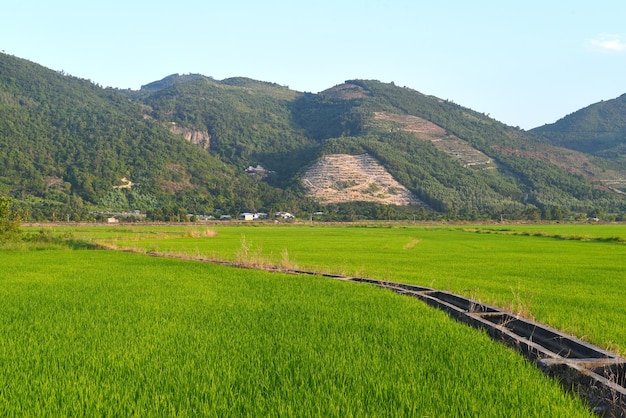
point(95, 333)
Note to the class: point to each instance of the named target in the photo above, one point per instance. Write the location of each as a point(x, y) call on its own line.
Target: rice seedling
point(571, 284)
point(95, 333)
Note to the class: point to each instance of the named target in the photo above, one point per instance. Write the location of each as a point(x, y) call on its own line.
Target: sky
point(523, 63)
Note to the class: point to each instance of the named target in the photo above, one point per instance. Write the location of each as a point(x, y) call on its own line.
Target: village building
point(247, 216)
point(255, 170)
point(284, 215)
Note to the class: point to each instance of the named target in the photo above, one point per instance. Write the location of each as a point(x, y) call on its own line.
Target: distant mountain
point(169, 81)
point(598, 129)
point(183, 145)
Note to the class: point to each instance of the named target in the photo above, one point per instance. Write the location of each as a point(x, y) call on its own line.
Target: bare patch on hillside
point(338, 178)
point(346, 91)
point(127, 184)
point(53, 181)
point(201, 138)
point(444, 141)
point(573, 162)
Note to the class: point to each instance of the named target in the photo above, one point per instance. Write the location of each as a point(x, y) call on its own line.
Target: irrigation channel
point(594, 374)
point(597, 375)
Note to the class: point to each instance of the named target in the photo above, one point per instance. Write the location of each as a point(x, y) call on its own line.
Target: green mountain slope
point(598, 129)
point(249, 122)
point(521, 174)
point(65, 143)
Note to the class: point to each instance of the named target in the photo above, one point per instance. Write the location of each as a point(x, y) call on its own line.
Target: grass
point(541, 271)
point(99, 333)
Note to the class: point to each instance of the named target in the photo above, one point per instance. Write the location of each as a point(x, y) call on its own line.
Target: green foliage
point(113, 334)
point(249, 122)
point(439, 179)
point(324, 117)
point(10, 221)
point(63, 139)
point(598, 129)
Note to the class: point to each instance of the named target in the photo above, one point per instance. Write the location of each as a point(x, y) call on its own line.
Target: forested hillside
point(249, 122)
point(65, 143)
point(527, 179)
point(178, 146)
point(598, 129)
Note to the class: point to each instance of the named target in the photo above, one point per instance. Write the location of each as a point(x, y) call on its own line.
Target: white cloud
point(607, 44)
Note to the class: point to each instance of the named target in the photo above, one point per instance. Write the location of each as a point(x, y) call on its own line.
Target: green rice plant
point(103, 333)
point(614, 232)
point(573, 285)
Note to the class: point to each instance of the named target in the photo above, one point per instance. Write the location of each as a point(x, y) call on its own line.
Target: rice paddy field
point(109, 333)
point(571, 277)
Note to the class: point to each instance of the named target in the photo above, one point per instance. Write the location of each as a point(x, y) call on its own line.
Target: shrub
point(10, 222)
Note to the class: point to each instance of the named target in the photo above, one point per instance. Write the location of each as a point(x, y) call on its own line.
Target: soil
point(340, 178)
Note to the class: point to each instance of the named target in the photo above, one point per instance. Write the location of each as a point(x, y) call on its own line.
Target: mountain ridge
point(598, 129)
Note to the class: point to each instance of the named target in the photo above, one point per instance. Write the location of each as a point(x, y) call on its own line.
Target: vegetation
point(107, 333)
point(249, 122)
point(599, 129)
point(567, 276)
point(520, 183)
point(67, 142)
point(10, 222)
point(66, 146)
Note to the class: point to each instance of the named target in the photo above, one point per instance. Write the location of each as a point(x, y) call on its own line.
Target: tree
point(10, 221)
point(532, 213)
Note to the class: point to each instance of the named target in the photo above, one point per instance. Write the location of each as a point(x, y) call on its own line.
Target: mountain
point(66, 144)
point(193, 144)
point(598, 129)
point(169, 81)
point(454, 159)
point(248, 122)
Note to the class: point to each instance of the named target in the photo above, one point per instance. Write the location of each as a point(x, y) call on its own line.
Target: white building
point(284, 215)
point(247, 216)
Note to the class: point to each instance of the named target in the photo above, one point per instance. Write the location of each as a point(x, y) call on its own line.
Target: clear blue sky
point(524, 63)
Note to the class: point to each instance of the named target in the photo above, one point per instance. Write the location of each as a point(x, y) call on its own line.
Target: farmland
point(108, 333)
point(570, 277)
point(88, 332)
